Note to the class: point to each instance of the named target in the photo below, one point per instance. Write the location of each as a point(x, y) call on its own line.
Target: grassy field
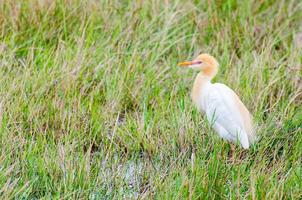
point(94, 106)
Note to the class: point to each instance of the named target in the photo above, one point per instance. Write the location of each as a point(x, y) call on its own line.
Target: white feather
point(218, 102)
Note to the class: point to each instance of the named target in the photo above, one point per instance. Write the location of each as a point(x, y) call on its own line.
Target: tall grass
point(94, 106)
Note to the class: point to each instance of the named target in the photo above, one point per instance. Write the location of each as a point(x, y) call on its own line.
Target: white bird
point(223, 108)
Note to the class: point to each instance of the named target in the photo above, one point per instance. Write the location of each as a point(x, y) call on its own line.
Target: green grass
point(94, 105)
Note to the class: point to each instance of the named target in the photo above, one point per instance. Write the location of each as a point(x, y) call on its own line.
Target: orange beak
point(188, 63)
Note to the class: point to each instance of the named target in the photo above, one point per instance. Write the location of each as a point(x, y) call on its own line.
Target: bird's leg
point(232, 153)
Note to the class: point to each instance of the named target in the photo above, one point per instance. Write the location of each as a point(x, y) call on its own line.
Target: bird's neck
point(200, 82)
point(203, 78)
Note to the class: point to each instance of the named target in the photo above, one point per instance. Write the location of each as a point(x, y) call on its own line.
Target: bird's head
point(205, 63)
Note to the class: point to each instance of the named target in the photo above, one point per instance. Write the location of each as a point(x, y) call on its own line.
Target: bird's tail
point(243, 139)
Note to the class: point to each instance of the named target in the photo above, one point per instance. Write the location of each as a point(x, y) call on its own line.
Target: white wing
point(222, 113)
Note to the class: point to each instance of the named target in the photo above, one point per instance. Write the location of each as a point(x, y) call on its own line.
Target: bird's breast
point(199, 92)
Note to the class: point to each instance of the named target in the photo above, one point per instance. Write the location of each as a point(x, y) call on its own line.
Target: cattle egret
point(223, 108)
